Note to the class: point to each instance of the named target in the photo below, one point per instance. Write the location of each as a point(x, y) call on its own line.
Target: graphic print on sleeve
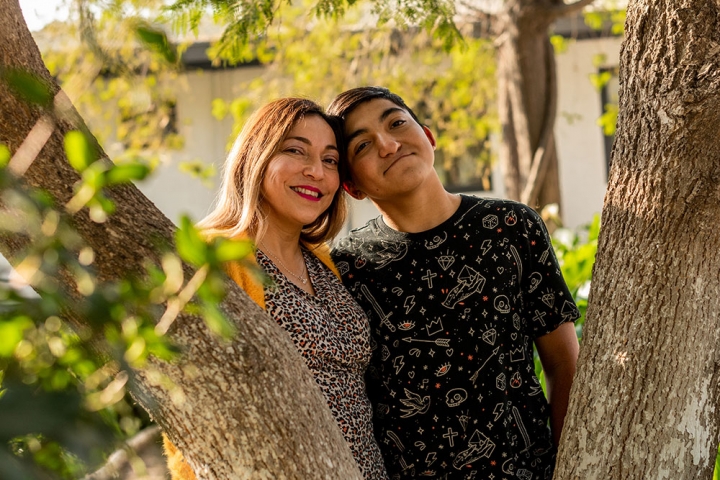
point(454, 312)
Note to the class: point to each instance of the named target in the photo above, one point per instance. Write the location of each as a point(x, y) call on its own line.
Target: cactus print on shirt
point(454, 312)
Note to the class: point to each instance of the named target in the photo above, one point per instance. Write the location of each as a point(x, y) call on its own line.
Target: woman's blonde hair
point(238, 207)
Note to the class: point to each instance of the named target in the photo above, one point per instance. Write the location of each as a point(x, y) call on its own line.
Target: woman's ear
point(352, 190)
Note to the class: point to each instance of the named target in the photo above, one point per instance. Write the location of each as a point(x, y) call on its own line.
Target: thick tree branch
point(518, 107)
point(568, 9)
point(507, 148)
point(539, 164)
point(485, 24)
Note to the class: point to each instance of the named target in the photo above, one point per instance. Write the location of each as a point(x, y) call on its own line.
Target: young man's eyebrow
point(383, 116)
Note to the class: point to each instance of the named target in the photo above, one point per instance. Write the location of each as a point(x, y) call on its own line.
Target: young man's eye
point(360, 147)
point(398, 122)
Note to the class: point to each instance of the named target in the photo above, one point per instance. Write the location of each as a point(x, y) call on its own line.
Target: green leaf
point(78, 150)
point(594, 20)
point(217, 322)
point(219, 108)
point(127, 173)
point(156, 40)
point(190, 245)
point(5, 156)
point(11, 332)
point(28, 87)
point(599, 80)
point(559, 43)
point(230, 250)
point(599, 60)
point(608, 120)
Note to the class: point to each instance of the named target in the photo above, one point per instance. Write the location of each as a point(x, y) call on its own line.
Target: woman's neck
point(284, 241)
point(285, 251)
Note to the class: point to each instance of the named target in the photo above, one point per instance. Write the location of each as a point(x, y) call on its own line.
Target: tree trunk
point(645, 399)
point(527, 96)
point(251, 409)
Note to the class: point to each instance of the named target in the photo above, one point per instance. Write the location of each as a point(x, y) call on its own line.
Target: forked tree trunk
point(251, 409)
point(645, 399)
point(527, 98)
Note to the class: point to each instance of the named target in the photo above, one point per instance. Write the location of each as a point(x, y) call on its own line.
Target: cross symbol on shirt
point(450, 435)
point(539, 317)
point(429, 276)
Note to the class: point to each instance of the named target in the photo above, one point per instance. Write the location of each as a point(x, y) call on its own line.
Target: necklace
point(302, 277)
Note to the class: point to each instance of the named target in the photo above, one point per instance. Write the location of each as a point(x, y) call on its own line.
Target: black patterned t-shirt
point(454, 312)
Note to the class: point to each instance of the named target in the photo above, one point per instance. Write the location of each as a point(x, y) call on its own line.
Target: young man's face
point(389, 154)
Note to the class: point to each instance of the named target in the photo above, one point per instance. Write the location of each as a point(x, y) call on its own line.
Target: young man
point(457, 289)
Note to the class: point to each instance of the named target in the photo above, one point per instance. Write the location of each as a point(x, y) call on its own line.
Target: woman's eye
point(332, 161)
point(294, 150)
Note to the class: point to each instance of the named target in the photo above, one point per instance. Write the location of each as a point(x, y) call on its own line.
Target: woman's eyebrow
point(308, 142)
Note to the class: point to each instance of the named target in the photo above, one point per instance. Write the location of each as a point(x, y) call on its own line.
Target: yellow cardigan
point(179, 469)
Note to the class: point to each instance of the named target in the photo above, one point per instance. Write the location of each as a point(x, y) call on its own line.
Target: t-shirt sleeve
point(342, 258)
point(547, 300)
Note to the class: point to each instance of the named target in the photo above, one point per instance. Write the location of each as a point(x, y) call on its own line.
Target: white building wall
point(175, 192)
point(580, 142)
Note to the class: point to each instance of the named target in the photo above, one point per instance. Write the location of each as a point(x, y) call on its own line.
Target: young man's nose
point(387, 145)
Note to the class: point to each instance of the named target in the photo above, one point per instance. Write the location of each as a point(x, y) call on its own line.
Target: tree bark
point(527, 96)
point(645, 399)
point(250, 407)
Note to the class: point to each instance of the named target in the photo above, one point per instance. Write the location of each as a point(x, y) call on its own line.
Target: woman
point(280, 188)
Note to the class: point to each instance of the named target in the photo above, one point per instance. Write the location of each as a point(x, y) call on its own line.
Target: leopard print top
point(333, 336)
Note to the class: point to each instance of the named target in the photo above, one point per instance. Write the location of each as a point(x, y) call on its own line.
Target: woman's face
point(302, 178)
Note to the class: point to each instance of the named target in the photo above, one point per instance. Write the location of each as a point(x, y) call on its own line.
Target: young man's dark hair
point(348, 100)
point(458, 289)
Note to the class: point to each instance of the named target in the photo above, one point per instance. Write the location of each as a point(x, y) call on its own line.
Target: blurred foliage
point(609, 19)
point(608, 120)
point(121, 73)
point(247, 20)
point(575, 251)
point(451, 89)
point(64, 381)
point(560, 44)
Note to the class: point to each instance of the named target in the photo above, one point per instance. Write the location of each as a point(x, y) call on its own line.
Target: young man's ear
point(429, 135)
point(352, 190)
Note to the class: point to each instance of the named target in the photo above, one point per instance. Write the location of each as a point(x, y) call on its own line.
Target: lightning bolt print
point(430, 459)
point(499, 409)
point(486, 246)
point(398, 363)
point(409, 303)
